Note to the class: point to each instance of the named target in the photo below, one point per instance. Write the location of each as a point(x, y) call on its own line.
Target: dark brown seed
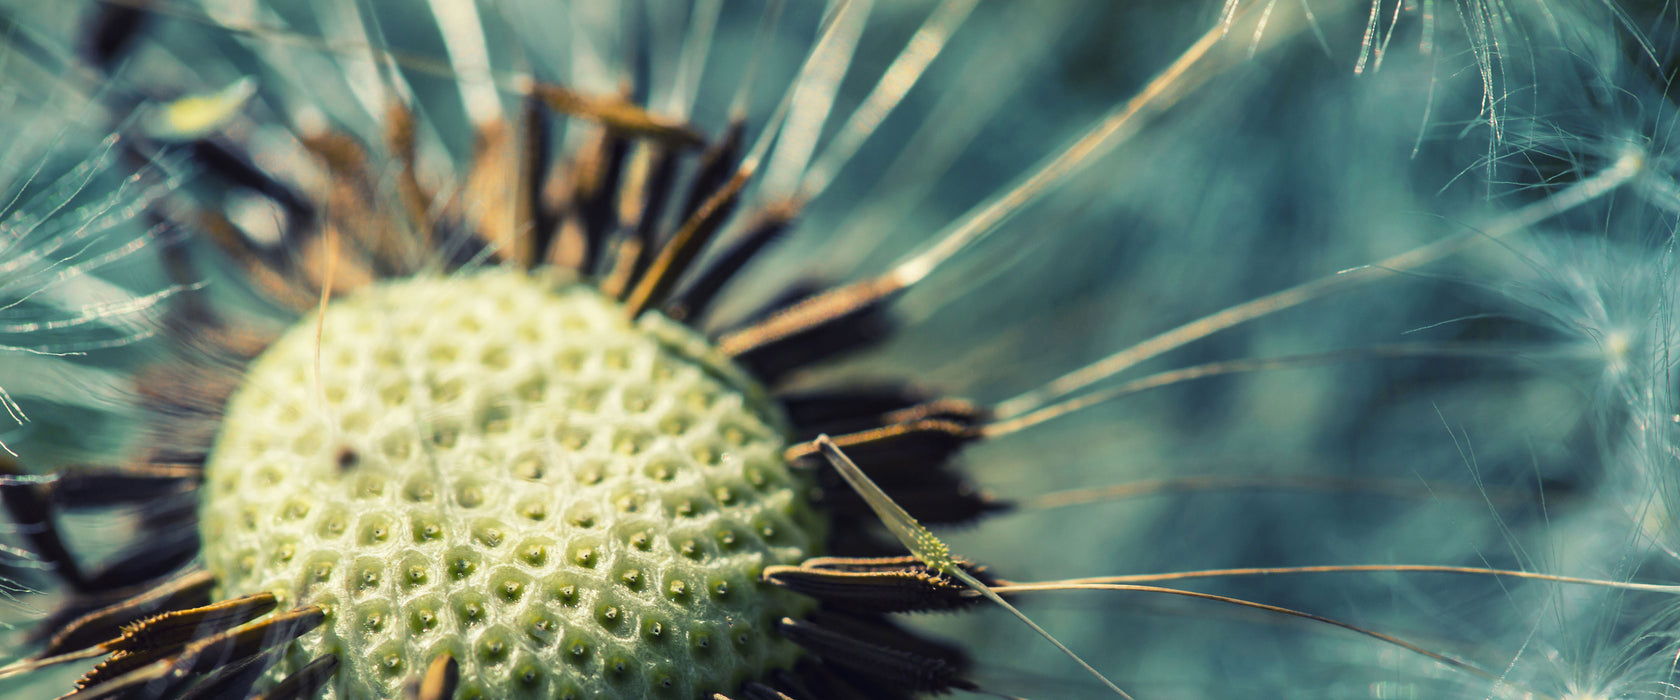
point(879, 585)
point(618, 114)
point(178, 627)
point(191, 590)
point(887, 449)
point(840, 320)
point(675, 257)
point(442, 675)
point(204, 655)
point(717, 165)
point(691, 303)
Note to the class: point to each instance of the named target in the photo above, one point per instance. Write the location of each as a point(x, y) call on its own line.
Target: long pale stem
point(1389, 639)
point(1210, 56)
point(1371, 568)
point(1587, 190)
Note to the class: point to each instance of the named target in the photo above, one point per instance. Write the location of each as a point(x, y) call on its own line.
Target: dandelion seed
point(195, 116)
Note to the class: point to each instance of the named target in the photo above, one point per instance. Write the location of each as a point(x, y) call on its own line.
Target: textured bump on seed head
point(504, 468)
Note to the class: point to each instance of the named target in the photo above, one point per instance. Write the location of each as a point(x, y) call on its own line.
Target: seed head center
point(502, 467)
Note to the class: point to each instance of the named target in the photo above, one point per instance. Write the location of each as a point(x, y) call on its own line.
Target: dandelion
point(496, 341)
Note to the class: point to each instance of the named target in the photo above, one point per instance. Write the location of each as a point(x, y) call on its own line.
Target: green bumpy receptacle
point(504, 468)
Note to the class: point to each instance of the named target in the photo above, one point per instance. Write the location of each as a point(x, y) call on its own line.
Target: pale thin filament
point(1625, 169)
point(1193, 69)
point(1363, 569)
point(767, 22)
point(20, 225)
point(464, 43)
point(130, 306)
point(1396, 641)
point(895, 83)
point(1208, 57)
point(1019, 421)
point(684, 88)
point(516, 83)
point(1246, 483)
point(955, 120)
point(594, 68)
point(360, 68)
point(321, 312)
point(820, 55)
point(813, 98)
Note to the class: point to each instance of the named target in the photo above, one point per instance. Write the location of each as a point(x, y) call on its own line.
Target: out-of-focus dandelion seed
point(195, 116)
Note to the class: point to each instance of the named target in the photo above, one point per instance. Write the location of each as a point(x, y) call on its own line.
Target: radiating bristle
point(122, 676)
point(879, 585)
point(184, 592)
point(897, 448)
point(673, 259)
point(694, 299)
point(813, 328)
point(174, 629)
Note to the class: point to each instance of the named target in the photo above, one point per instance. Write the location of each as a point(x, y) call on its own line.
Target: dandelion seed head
point(1285, 169)
point(561, 499)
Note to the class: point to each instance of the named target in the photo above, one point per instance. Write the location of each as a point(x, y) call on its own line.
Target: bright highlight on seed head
point(502, 468)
